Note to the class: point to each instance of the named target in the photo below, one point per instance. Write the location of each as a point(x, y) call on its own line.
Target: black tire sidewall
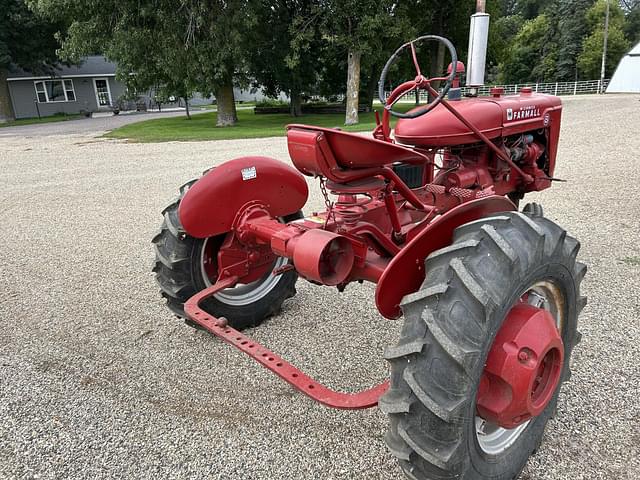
point(251, 314)
point(510, 462)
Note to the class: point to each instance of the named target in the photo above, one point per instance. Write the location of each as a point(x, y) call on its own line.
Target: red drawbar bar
point(298, 379)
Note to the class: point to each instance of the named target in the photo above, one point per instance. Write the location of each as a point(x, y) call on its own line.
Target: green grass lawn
point(59, 117)
point(202, 126)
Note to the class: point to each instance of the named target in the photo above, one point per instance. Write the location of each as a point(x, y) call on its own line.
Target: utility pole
point(604, 48)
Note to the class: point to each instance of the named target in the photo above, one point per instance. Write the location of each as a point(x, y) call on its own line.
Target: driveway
point(85, 125)
point(99, 380)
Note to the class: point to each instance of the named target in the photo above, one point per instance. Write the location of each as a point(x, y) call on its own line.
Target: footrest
point(298, 379)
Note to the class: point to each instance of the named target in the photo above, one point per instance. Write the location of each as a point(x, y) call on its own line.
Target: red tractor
point(428, 211)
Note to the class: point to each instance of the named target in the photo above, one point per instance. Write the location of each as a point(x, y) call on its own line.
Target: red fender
point(405, 273)
point(210, 206)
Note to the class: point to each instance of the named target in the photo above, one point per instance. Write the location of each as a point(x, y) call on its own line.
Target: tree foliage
point(564, 40)
point(303, 48)
point(572, 30)
point(27, 42)
point(193, 45)
point(291, 64)
point(532, 54)
point(352, 29)
point(590, 59)
point(632, 25)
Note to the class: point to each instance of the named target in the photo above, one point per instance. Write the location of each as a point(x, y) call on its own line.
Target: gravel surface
point(99, 380)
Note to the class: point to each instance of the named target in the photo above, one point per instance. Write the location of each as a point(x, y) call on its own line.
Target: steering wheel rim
point(443, 92)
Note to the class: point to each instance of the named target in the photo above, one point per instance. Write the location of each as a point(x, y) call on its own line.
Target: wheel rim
point(243, 293)
point(492, 438)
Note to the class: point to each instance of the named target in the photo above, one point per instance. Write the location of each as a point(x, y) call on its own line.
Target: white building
point(626, 79)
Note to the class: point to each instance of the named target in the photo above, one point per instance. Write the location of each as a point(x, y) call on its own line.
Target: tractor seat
point(328, 152)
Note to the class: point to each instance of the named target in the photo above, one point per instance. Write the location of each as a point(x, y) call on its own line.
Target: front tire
point(182, 270)
point(450, 325)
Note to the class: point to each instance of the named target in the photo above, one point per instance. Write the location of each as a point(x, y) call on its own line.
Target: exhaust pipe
point(478, 39)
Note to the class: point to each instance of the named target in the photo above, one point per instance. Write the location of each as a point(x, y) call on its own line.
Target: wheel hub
point(523, 367)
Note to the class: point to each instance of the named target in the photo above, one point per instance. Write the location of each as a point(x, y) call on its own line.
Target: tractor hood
point(494, 116)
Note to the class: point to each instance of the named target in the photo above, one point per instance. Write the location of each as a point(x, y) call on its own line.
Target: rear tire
point(450, 324)
point(179, 272)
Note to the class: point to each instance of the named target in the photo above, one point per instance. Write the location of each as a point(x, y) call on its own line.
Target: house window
point(42, 96)
point(55, 91)
point(103, 93)
point(68, 89)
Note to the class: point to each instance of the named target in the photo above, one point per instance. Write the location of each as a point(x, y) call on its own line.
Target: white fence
point(557, 88)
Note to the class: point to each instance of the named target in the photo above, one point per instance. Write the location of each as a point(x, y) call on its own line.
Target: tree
point(26, 42)
point(192, 45)
point(590, 59)
point(151, 53)
point(282, 50)
point(533, 53)
point(217, 30)
point(396, 25)
point(501, 36)
point(573, 29)
point(632, 23)
point(352, 27)
point(530, 9)
point(447, 18)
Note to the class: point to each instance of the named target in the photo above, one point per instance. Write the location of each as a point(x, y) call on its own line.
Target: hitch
point(289, 373)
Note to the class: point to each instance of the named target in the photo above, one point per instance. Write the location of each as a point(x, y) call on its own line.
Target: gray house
point(89, 87)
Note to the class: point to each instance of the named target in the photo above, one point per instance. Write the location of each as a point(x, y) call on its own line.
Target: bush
point(272, 102)
point(310, 108)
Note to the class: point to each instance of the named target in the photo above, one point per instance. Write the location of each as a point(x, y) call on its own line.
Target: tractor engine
point(525, 127)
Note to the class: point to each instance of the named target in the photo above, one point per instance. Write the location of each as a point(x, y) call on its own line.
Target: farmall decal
point(528, 111)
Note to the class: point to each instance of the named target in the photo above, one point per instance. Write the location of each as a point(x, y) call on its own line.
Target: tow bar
point(289, 373)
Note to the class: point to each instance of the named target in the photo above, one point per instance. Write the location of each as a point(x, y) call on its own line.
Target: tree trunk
point(437, 60)
point(371, 88)
point(437, 67)
point(186, 106)
point(6, 109)
point(440, 69)
point(353, 87)
point(226, 105)
point(295, 103)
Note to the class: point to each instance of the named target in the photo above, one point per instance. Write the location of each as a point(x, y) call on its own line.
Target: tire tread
point(421, 395)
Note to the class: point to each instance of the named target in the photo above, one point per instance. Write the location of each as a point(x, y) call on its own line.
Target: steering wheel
point(420, 82)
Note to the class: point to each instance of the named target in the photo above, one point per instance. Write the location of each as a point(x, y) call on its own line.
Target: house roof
point(93, 66)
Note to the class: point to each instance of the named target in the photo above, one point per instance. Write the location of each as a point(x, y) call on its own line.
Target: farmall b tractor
point(428, 211)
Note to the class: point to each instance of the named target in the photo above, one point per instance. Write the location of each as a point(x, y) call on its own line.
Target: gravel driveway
point(85, 125)
point(98, 380)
